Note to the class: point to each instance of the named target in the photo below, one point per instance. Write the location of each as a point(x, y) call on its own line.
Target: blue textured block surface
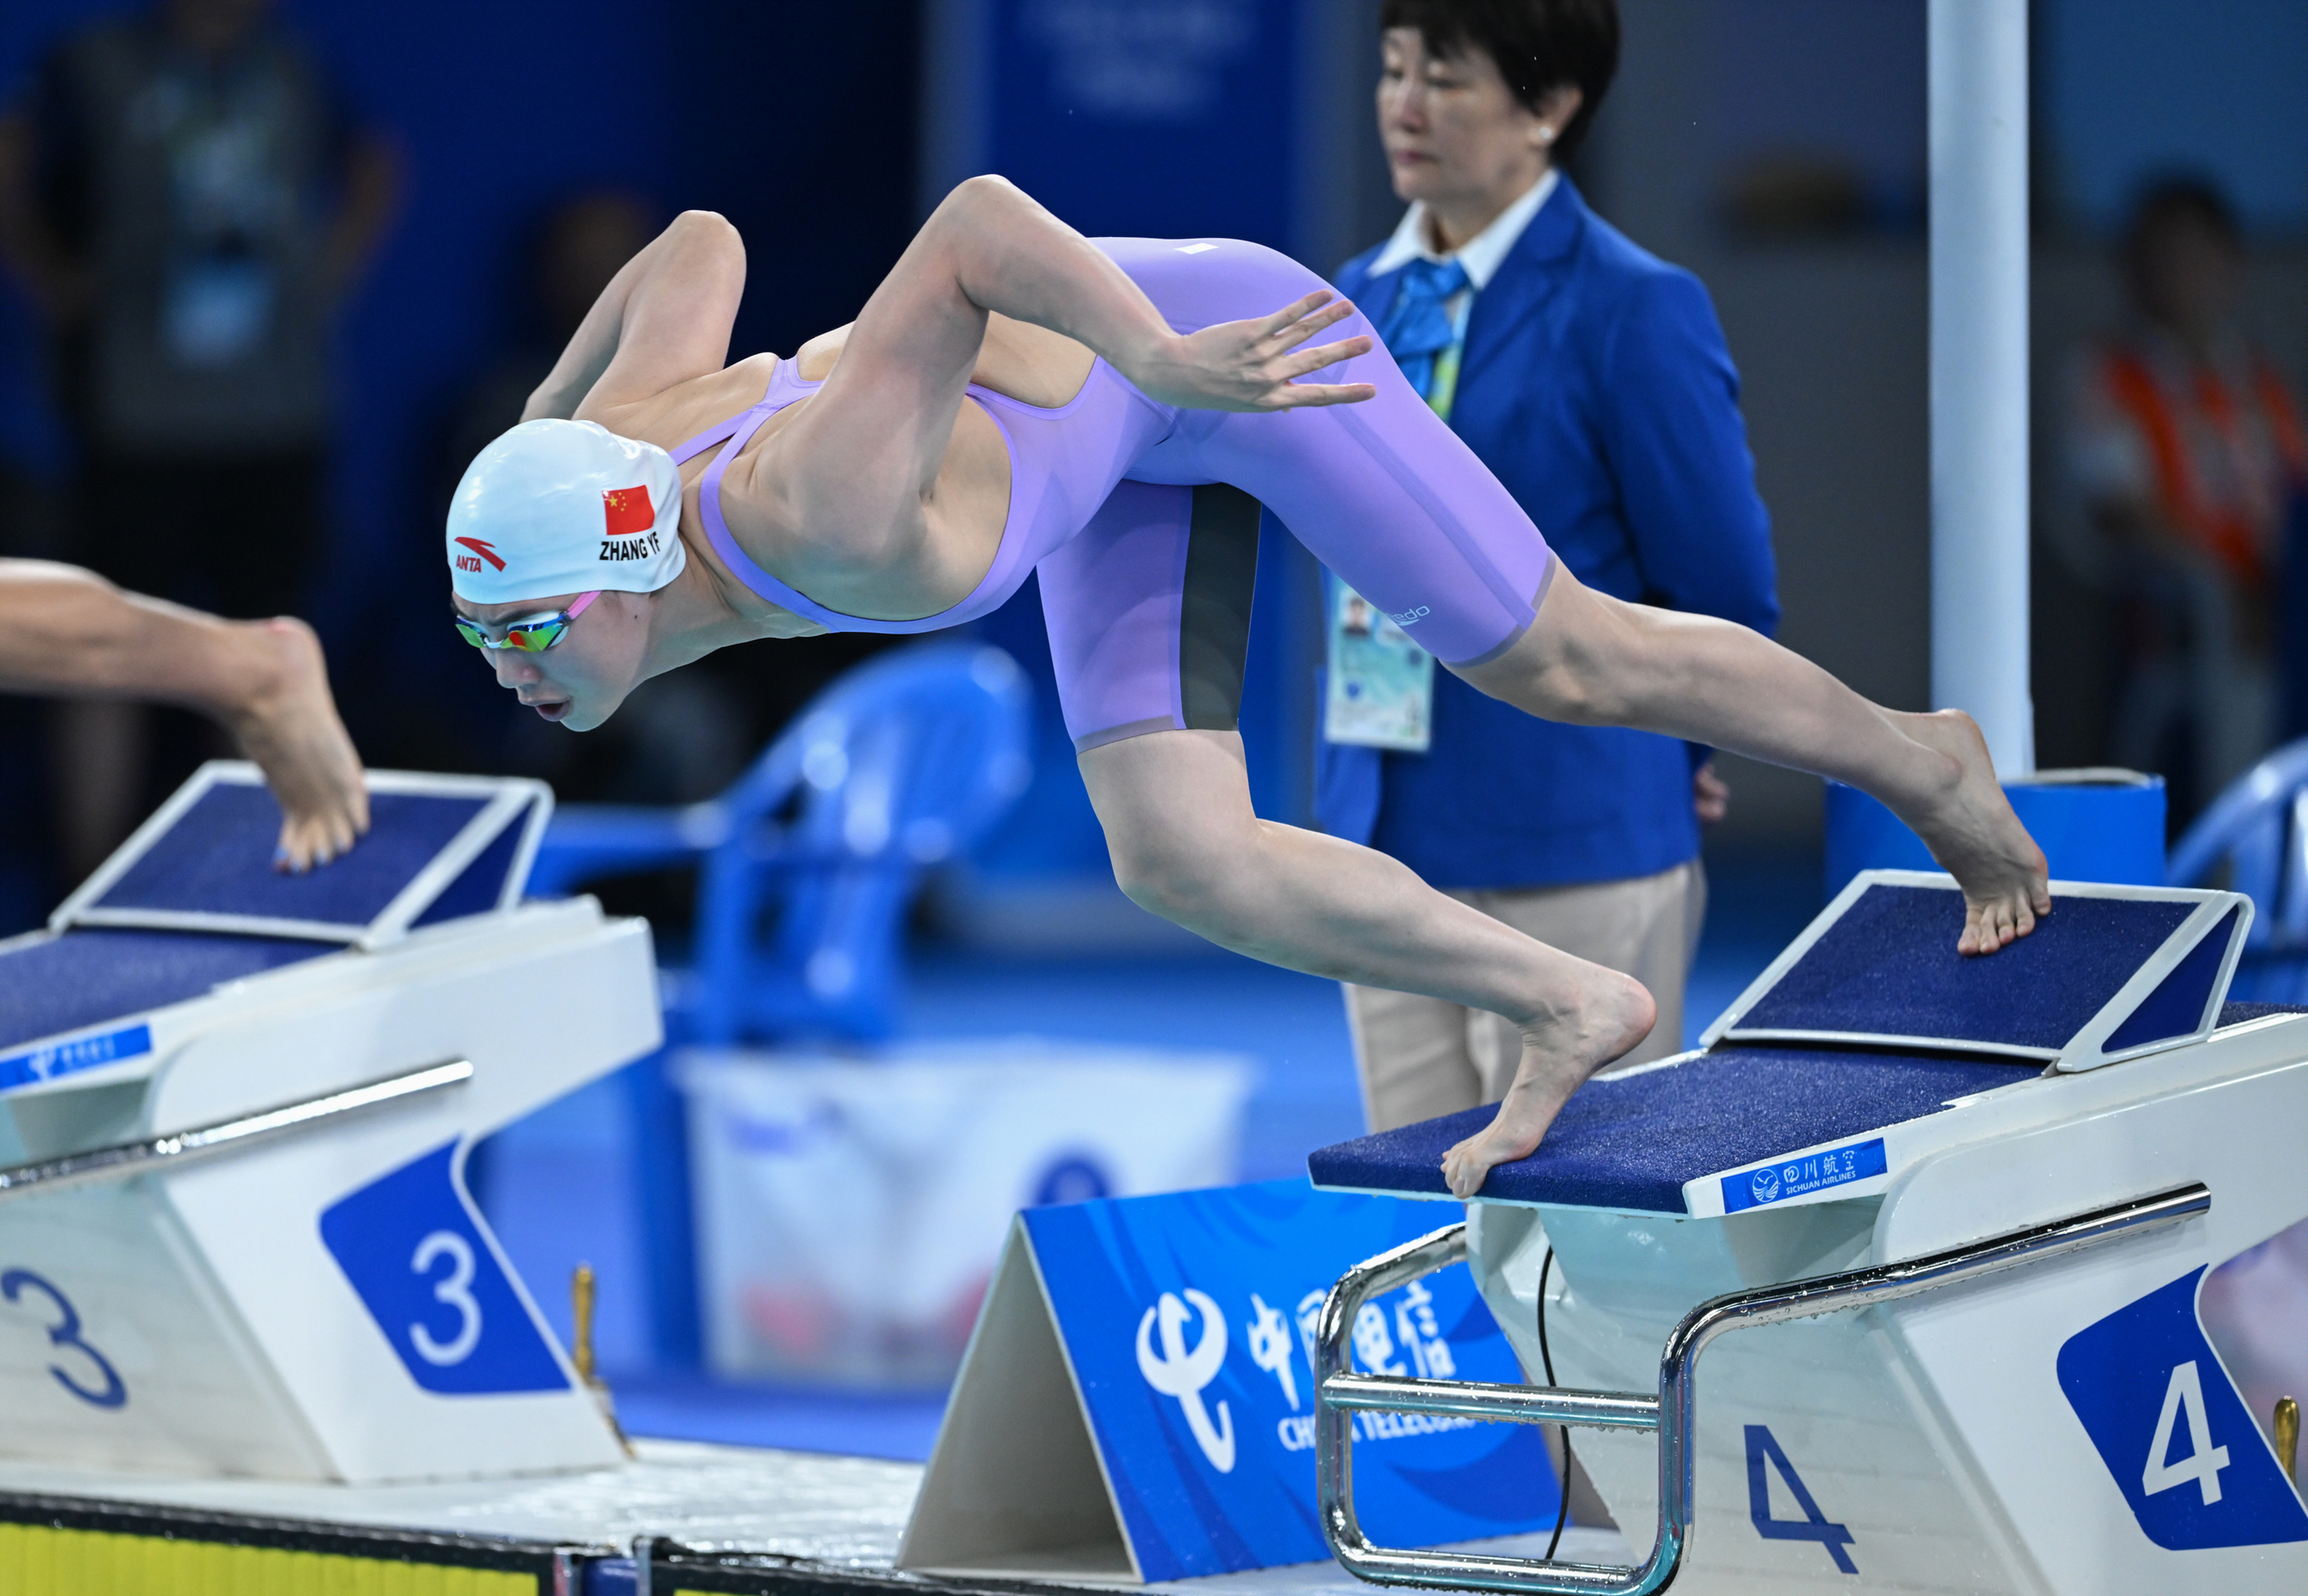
point(216, 859)
point(1888, 968)
point(2236, 1014)
point(1631, 1144)
point(86, 977)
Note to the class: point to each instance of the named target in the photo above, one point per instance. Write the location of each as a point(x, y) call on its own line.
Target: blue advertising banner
point(1186, 1321)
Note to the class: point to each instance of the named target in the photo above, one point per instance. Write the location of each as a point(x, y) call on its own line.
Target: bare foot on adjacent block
point(288, 726)
point(1608, 1014)
point(1971, 830)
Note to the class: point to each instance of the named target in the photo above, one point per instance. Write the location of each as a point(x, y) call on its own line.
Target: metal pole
point(180, 1148)
point(1978, 66)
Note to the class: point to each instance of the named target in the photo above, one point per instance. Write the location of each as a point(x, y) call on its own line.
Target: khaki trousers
point(1421, 1057)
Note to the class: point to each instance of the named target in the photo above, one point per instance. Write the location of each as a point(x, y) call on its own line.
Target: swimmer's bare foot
point(1970, 829)
point(1599, 1020)
point(287, 722)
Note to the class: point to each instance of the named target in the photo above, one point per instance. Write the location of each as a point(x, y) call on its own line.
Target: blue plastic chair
point(807, 863)
point(807, 866)
point(2258, 830)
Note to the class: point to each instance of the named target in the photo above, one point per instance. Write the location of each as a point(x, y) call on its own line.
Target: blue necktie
point(1417, 327)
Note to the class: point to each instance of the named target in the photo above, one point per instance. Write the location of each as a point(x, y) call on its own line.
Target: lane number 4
point(2184, 1397)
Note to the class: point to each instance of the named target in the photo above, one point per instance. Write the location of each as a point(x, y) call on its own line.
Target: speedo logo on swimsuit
point(1412, 617)
point(481, 551)
point(641, 545)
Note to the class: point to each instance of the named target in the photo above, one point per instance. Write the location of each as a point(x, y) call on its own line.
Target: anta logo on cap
point(468, 561)
point(625, 511)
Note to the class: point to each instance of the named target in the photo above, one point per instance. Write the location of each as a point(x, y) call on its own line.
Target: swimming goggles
point(531, 636)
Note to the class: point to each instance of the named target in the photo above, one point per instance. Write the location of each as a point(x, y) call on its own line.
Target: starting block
point(234, 1106)
point(1951, 1220)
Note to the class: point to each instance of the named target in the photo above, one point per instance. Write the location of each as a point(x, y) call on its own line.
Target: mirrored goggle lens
point(531, 639)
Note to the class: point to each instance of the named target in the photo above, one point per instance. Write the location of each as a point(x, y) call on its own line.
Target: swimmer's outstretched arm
point(864, 457)
point(69, 632)
point(664, 318)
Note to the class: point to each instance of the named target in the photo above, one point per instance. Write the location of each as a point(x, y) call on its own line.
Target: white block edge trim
point(2210, 906)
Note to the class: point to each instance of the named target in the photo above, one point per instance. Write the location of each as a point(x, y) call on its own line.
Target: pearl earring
point(1546, 135)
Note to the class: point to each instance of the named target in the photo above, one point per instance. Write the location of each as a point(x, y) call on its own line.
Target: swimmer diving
point(1015, 398)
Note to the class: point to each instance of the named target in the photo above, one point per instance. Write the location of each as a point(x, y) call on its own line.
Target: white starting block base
point(1861, 1184)
point(204, 1269)
point(817, 1514)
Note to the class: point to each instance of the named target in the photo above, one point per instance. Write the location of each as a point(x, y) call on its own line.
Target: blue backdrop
point(801, 123)
point(796, 120)
point(1152, 119)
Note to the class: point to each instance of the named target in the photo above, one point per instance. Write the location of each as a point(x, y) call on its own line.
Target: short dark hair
point(1538, 45)
point(2180, 196)
point(2163, 202)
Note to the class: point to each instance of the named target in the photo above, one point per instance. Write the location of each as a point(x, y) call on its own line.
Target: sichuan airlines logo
point(630, 523)
point(481, 551)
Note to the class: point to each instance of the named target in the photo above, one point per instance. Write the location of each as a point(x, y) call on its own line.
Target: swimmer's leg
point(1186, 844)
point(1593, 660)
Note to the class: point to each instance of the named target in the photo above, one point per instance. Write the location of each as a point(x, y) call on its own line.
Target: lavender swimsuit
point(1148, 602)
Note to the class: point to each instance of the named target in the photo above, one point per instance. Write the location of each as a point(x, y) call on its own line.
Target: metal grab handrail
point(1338, 1390)
point(181, 1147)
point(1475, 1399)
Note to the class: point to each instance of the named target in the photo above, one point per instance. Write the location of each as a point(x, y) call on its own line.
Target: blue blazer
point(1595, 385)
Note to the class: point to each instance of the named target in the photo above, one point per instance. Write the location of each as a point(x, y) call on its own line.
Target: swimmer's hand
point(1250, 366)
point(288, 723)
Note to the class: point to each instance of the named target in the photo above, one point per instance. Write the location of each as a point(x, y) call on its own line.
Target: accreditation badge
point(1381, 684)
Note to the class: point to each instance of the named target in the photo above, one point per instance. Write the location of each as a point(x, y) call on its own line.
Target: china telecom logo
point(1177, 1372)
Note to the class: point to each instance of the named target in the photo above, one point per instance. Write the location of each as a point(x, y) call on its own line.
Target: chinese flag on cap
point(628, 510)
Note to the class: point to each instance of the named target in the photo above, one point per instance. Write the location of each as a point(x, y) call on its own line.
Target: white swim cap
point(556, 506)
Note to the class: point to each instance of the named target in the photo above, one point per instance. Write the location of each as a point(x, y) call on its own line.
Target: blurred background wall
point(1776, 147)
point(797, 121)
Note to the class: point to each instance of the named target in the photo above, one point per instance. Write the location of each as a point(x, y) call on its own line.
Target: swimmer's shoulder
point(672, 415)
point(814, 362)
point(1030, 364)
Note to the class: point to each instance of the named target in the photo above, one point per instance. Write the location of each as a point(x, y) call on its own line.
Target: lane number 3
point(64, 1334)
point(454, 1289)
